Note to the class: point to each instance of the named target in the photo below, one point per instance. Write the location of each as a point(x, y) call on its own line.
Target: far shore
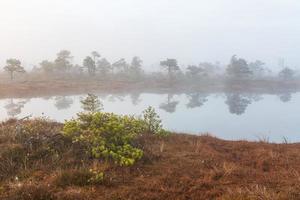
point(73, 86)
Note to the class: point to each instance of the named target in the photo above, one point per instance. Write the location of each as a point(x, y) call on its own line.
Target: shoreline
point(41, 88)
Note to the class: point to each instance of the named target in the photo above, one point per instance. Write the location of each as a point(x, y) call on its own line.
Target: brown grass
point(188, 167)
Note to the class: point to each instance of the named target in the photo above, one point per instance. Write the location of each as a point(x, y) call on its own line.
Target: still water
point(232, 116)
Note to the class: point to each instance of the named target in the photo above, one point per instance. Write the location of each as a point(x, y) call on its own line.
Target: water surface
point(231, 116)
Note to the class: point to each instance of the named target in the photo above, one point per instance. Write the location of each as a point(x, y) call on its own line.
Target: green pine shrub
point(107, 136)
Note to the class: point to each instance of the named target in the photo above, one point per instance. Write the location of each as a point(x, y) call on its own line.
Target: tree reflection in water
point(135, 98)
point(14, 108)
point(114, 97)
point(237, 103)
point(196, 100)
point(63, 102)
point(285, 97)
point(169, 106)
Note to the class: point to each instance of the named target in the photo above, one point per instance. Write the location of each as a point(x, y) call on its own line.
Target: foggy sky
point(189, 30)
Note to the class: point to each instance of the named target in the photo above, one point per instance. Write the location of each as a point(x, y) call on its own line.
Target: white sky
point(189, 30)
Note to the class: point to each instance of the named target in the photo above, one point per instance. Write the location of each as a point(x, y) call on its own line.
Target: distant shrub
point(107, 136)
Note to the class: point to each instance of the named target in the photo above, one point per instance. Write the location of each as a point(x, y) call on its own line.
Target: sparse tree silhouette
point(171, 66)
point(237, 103)
point(208, 69)
point(169, 106)
point(91, 103)
point(120, 65)
point(13, 66)
point(238, 68)
point(257, 68)
point(286, 73)
point(203, 69)
point(196, 100)
point(194, 71)
point(47, 66)
point(95, 56)
point(36, 69)
point(104, 66)
point(78, 69)
point(136, 66)
point(63, 61)
point(89, 63)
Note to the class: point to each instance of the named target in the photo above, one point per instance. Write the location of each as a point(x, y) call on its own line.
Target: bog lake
point(231, 116)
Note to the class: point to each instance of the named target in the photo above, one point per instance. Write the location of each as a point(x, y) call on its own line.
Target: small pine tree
point(152, 120)
point(91, 103)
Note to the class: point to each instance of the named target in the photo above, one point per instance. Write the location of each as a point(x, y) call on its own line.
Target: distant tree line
point(94, 65)
point(241, 69)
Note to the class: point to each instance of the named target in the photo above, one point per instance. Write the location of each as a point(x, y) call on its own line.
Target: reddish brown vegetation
point(178, 167)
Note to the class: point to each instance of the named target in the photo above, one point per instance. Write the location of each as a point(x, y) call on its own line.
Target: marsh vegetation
point(62, 76)
point(44, 160)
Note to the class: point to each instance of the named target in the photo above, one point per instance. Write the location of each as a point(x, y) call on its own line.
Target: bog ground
point(177, 167)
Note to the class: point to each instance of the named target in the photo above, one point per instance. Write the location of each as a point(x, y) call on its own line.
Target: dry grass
point(186, 167)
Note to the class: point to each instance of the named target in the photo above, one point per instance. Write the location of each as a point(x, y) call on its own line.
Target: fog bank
point(190, 31)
